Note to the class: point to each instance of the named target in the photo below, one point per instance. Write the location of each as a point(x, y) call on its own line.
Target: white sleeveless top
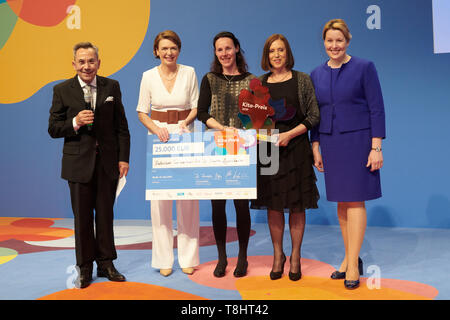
point(153, 94)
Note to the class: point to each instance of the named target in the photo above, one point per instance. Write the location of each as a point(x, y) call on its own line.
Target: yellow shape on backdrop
point(315, 288)
point(35, 56)
point(7, 254)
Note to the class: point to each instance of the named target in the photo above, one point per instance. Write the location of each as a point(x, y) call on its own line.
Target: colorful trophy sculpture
point(254, 106)
point(259, 111)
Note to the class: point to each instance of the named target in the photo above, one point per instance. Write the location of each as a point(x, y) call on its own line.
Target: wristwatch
point(377, 149)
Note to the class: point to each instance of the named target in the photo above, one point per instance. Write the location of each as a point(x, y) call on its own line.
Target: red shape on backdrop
point(255, 103)
point(45, 13)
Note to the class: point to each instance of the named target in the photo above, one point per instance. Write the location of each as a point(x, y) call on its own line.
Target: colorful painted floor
point(37, 257)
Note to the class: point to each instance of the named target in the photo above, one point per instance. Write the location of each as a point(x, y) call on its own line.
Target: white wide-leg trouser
point(187, 228)
point(187, 233)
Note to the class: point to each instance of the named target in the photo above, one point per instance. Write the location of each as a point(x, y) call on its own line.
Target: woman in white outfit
point(168, 104)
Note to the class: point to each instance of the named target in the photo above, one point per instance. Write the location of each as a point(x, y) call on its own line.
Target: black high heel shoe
point(360, 266)
point(336, 275)
point(241, 269)
point(277, 275)
point(219, 271)
point(353, 284)
point(295, 276)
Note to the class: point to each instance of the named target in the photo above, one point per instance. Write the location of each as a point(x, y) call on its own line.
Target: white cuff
point(76, 127)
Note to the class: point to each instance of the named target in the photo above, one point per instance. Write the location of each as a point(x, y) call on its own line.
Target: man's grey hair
point(84, 45)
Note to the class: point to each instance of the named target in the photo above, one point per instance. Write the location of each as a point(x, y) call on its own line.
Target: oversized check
point(202, 165)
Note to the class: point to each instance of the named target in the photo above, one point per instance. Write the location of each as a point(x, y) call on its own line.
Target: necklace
point(282, 78)
point(228, 79)
point(166, 77)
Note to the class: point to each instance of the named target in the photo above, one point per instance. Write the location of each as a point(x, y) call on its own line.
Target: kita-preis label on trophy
point(202, 165)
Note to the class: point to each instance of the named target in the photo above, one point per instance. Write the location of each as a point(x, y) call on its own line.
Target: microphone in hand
point(88, 105)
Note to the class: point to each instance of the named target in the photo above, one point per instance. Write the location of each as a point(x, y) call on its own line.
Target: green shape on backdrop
point(8, 20)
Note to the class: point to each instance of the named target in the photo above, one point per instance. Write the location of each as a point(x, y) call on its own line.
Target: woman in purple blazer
point(347, 142)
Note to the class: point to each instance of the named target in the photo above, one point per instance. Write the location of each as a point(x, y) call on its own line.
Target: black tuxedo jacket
point(110, 129)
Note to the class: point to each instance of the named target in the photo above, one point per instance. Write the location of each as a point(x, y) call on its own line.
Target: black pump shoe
point(219, 271)
point(336, 275)
point(351, 284)
point(295, 276)
point(278, 274)
point(241, 269)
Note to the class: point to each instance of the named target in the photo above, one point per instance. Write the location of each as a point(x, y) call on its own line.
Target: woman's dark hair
point(240, 59)
point(265, 62)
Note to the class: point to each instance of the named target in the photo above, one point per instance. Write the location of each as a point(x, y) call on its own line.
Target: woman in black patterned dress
point(218, 109)
point(293, 188)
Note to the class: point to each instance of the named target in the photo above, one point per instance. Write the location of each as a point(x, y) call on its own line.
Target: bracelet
point(377, 149)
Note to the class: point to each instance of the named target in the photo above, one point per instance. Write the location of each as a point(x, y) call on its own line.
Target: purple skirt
point(345, 155)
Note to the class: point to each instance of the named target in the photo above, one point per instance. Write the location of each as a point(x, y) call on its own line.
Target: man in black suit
point(95, 155)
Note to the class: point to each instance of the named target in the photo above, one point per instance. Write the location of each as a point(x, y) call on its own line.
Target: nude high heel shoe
point(189, 270)
point(165, 272)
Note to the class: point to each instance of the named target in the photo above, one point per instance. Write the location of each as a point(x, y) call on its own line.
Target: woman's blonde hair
point(337, 24)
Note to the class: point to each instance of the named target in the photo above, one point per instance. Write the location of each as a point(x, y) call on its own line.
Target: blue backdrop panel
point(396, 35)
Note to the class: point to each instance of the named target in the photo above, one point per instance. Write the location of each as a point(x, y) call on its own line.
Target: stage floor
point(37, 262)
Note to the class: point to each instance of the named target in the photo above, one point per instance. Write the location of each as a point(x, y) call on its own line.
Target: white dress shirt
point(83, 85)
